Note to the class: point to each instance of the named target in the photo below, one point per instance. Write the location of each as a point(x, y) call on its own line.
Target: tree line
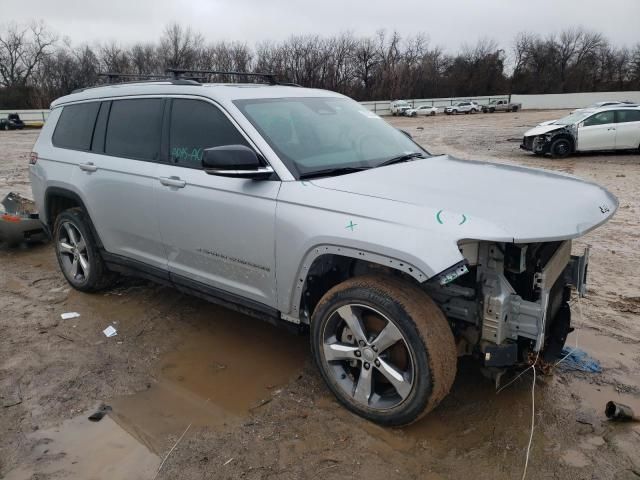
point(36, 66)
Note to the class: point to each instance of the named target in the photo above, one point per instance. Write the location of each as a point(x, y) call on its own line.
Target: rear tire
point(560, 148)
point(78, 254)
point(384, 348)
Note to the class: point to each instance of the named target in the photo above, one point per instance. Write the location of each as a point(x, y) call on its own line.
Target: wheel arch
point(324, 266)
point(59, 199)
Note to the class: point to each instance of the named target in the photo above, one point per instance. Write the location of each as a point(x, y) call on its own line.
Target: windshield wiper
point(332, 171)
point(401, 158)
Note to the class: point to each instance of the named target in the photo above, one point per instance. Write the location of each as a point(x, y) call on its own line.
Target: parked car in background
point(462, 107)
point(501, 106)
point(608, 128)
point(12, 122)
point(399, 107)
point(426, 110)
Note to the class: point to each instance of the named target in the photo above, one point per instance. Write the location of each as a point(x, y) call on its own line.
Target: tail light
point(33, 158)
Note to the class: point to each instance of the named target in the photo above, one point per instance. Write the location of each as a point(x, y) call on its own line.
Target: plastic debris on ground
point(68, 315)
point(110, 331)
point(579, 360)
point(19, 220)
point(100, 413)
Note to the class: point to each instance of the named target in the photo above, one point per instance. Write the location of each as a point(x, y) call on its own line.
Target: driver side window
point(601, 118)
point(196, 126)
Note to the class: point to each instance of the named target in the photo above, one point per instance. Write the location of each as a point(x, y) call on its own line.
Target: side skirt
point(127, 266)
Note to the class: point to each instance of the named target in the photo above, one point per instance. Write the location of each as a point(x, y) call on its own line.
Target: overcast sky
point(448, 23)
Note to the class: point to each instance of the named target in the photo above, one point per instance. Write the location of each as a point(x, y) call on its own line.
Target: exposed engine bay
point(509, 300)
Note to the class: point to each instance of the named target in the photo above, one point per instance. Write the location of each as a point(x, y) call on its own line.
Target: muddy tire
point(384, 348)
point(78, 254)
point(560, 148)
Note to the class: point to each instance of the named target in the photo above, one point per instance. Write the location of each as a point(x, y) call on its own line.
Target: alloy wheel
point(368, 357)
point(74, 257)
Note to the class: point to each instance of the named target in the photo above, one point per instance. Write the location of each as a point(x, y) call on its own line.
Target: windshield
point(573, 118)
point(317, 134)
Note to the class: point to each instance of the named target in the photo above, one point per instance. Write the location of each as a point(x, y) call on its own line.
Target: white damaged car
point(607, 128)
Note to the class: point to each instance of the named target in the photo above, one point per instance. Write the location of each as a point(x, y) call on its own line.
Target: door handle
point(611, 128)
point(173, 182)
point(88, 167)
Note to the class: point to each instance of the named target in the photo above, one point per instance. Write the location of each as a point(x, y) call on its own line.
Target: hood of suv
point(475, 200)
point(543, 128)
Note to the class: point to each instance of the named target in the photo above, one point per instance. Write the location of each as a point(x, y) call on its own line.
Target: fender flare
point(359, 254)
point(72, 195)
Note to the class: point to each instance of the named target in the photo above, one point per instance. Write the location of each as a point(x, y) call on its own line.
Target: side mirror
point(581, 124)
point(236, 161)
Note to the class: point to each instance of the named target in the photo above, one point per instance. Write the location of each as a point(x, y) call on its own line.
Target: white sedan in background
point(607, 128)
point(426, 110)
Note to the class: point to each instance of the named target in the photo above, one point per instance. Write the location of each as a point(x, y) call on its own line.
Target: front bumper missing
point(544, 324)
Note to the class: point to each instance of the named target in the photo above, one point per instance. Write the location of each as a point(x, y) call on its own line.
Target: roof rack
point(179, 73)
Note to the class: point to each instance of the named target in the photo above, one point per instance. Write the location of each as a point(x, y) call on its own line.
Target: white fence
point(35, 117)
point(571, 100)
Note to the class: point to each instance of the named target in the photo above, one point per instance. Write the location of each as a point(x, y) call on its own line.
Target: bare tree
point(21, 51)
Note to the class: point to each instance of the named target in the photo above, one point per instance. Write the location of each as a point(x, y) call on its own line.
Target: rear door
point(627, 128)
point(117, 178)
point(597, 132)
point(218, 231)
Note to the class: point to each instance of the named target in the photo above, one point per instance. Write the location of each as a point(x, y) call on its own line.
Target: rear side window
point(625, 116)
point(134, 128)
point(195, 126)
point(74, 129)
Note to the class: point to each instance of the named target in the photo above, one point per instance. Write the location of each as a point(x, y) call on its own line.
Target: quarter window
point(625, 116)
point(75, 126)
point(134, 128)
point(196, 126)
point(601, 118)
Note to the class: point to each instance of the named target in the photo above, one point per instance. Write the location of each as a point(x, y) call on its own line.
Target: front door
point(218, 231)
point(597, 132)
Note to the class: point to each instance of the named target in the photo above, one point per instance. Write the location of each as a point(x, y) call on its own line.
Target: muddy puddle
point(82, 450)
point(224, 366)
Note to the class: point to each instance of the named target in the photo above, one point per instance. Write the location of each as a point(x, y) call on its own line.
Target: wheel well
point(565, 136)
point(57, 203)
point(57, 200)
point(329, 270)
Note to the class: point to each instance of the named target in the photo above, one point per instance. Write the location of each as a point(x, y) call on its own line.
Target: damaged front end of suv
point(514, 300)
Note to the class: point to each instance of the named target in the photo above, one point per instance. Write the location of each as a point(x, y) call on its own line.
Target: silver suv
point(303, 208)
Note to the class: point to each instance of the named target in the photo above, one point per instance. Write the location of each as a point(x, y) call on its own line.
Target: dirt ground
point(242, 400)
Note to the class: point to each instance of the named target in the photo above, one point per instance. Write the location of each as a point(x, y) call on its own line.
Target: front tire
point(78, 254)
point(384, 348)
point(560, 148)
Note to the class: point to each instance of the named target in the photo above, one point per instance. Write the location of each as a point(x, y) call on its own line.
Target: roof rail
point(180, 72)
point(111, 76)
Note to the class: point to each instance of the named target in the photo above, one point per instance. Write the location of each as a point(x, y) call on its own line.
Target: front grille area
point(527, 142)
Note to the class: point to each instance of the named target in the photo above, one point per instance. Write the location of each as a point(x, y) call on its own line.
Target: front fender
point(311, 223)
